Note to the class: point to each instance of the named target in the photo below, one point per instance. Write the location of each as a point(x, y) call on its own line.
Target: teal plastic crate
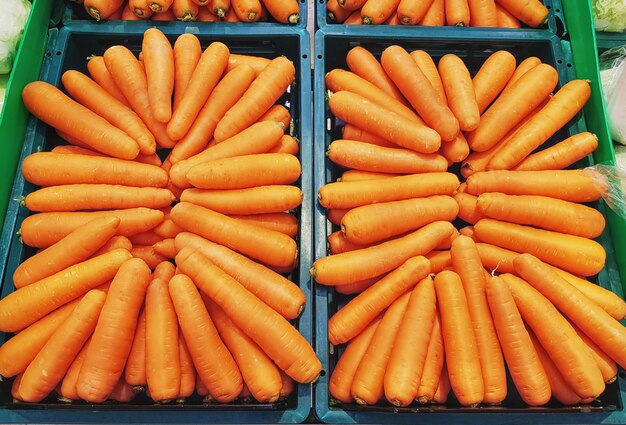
point(69, 52)
point(331, 49)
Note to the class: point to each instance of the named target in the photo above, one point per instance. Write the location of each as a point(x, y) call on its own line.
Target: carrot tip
point(138, 12)
point(301, 309)
point(332, 17)
point(155, 7)
point(187, 17)
point(405, 20)
point(366, 20)
point(294, 19)
point(343, 229)
point(611, 380)
point(251, 16)
point(313, 272)
point(360, 401)
point(423, 399)
point(180, 400)
point(138, 389)
point(459, 24)
point(65, 400)
point(95, 13)
point(220, 12)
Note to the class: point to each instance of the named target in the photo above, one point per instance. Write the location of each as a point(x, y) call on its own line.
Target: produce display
point(164, 276)
point(282, 11)
point(437, 13)
point(15, 14)
point(448, 288)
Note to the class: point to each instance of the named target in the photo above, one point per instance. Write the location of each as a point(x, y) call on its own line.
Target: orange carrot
point(462, 357)
point(373, 261)
point(185, 10)
point(358, 175)
point(493, 75)
point(263, 325)
point(393, 19)
point(338, 14)
point(148, 255)
point(368, 382)
point(355, 316)
point(408, 356)
point(340, 384)
point(436, 15)
point(365, 65)
point(77, 150)
point(522, 359)
point(100, 9)
point(378, 11)
point(187, 371)
point(158, 59)
point(218, 7)
point(353, 19)
point(135, 370)
point(443, 389)
point(146, 238)
point(165, 248)
point(117, 324)
point(457, 13)
point(496, 258)
point(351, 5)
point(515, 103)
point(140, 8)
point(468, 210)
point(127, 13)
point(414, 85)
point(531, 12)
point(376, 222)
point(68, 386)
point(286, 144)
point(284, 11)
point(433, 366)
point(357, 287)
point(562, 154)
point(439, 260)
point(411, 13)
point(101, 75)
point(456, 150)
point(354, 194)
point(607, 365)
point(505, 19)
point(483, 13)
point(459, 89)
point(523, 67)
point(426, 64)
point(214, 363)
point(187, 52)
point(49, 366)
point(273, 289)
point(257, 63)
point(247, 10)
point(277, 113)
point(167, 15)
point(351, 132)
point(264, 91)
point(280, 222)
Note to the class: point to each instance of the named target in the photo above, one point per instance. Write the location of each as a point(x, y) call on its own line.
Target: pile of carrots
point(437, 13)
point(129, 293)
point(439, 309)
point(282, 11)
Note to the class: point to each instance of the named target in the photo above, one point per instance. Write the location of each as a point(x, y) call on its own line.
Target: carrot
point(127, 13)
point(338, 14)
point(353, 318)
point(247, 10)
point(496, 258)
point(49, 366)
point(265, 134)
point(515, 103)
point(286, 12)
point(277, 113)
point(560, 109)
point(354, 194)
point(340, 384)
point(30, 303)
point(373, 261)
point(414, 85)
point(167, 15)
point(338, 243)
point(201, 389)
point(165, 248)
point(443, 389)
point(77, 150)
point(562, 154)
point(436, 15)
point(77, 121)
point(101, 9)
point(259, 373)
point(340, 80)
point(19, 351)
point(164, 271)
point(609, 301)
point(135, 370)
point(522, 359)
point(466, 263)
point(264, 91)
point(96, 197)
point(558, 338)
point(117, 323)
point(148, 255)
point(607, 365)
point(286, 144)
point(246, 171)
point(140, 8)
point(280, 222)
point(158, 59)
point(543, 212)
point(560, 389)
point(483, 13)
point(358, 175)
point(433, 364)
point(74, 248)
point(68, 386)
point(363, 113)
point(214, 363)
point(351, 132)
point(457, 13)
point(459, 89)
point(462, 356)
point(352, 5)
point(187, 52)
point(92, 96)
point(365, 65)
point(221, 99)
point(260, 322)
point(596, 323)
point(161, 6)
point(187, 371)
point(505, 19)
point(493, 75)
point(408, 356)
point(368, 382)
point(368, 157)
point(376, 222)
point(219, 7)
point(288, 385)
point(357, 287)
point(555, 248)
point(568, 185)
point(353, 19)
point(467, 207)
point(257, 63)
point(456, 150)
point(185, 10)
point(146, 238)
point(163, 370)
point(426, 64)
point(378, 11)
point(469, 232)
point(439, 260)
point(412, 12)
point(279, 293)
point(44, 169)
point(101, 75)
point(122, 392)
point(531, 12)
point(230, 16)
point(167, 229)
point(523, 67)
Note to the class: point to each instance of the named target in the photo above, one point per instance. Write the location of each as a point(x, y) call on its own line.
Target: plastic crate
point(607, 40)
point(13, 118)
point(555, 22)
point(331, 49)
point(75, 13)
point(69, 52)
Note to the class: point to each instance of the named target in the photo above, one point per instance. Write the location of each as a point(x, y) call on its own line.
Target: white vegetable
point(610, 15)
point(13, 17)
point(614, 87)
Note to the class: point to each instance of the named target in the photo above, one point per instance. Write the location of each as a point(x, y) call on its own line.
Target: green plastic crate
point(579, 22)
point(14, 115)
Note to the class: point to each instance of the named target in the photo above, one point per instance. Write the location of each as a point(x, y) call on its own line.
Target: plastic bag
point(13, 17)
point(610, 179)
point(609, 15)
point(613, 76)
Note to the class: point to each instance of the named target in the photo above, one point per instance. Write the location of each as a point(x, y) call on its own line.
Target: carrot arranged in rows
point(562, 154)
point(365, 65)
point(505, 19)
point(135, 369)
point(68, 390)
point(101, 75)
point(468, 207)
point(411, 13)
point(257, 63)
point(457, 13)
point(158, 59)
point(607, 365)
point(459, 89)
point(493, 75)
point(483, 13)
point(280, 222)
point(378, 11)
point(433, 364)
point(531, 12)
point(187, 52)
